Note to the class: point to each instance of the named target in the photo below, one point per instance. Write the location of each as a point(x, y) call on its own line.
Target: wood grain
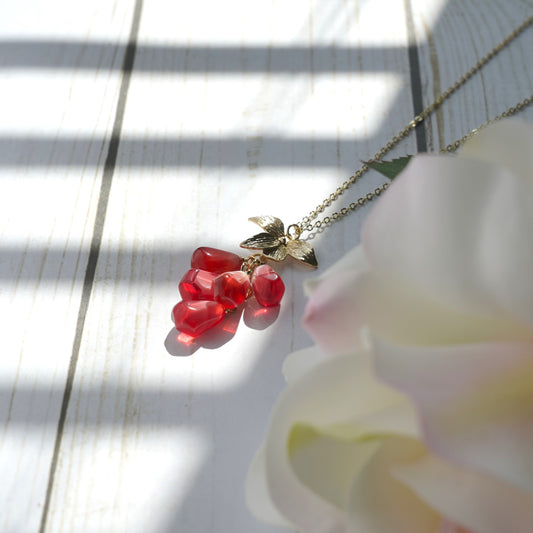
point(48, 212)
point(466, 32)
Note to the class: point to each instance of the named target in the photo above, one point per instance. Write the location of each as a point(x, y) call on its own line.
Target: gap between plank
point(416, 81)
point(98, 229)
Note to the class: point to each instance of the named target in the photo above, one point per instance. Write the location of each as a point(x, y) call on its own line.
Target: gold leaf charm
point(275, 244)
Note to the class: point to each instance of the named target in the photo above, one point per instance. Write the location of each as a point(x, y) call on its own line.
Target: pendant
point(220, 283)
point(277, 245)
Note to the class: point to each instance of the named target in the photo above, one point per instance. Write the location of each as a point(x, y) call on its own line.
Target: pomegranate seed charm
point(220, 282)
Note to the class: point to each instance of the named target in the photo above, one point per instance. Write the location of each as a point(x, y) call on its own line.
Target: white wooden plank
point(55, 118)
point(227, 123)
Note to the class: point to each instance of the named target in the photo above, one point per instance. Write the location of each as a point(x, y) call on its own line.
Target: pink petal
point(398, 311)
point(478, 502)
point(353, 261)
point(459, 229)
point(475, 402)
point(332, 315)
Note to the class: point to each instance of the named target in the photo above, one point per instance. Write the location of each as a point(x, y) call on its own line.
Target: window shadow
point(158, 408)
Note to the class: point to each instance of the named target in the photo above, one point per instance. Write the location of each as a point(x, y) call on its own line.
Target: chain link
point(507, 113)
point(307, 224)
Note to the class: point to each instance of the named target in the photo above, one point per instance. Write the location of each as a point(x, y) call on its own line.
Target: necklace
point(218, 283)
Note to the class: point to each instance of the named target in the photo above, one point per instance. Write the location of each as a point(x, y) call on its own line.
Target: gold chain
point(306, 223)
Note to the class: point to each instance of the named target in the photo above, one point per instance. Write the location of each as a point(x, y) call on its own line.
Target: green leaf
point(390, 169)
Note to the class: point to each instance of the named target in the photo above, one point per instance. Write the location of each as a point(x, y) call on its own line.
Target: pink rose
point(415, 412)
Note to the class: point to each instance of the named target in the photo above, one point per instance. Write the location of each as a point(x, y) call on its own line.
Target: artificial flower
point(414, 412)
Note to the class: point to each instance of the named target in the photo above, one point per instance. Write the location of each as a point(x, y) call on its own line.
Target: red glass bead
point(196, 317)
point(216, 261)
point(197, 284)
point(231, 289)
point(268, 287)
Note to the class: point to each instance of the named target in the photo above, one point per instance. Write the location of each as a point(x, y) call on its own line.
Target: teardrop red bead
point(214, 260)
point(197, 284)
point(268, 287)
point(197, 316)
point(231, 289)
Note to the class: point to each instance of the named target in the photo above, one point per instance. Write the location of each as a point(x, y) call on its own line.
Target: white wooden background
point(117, 160)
